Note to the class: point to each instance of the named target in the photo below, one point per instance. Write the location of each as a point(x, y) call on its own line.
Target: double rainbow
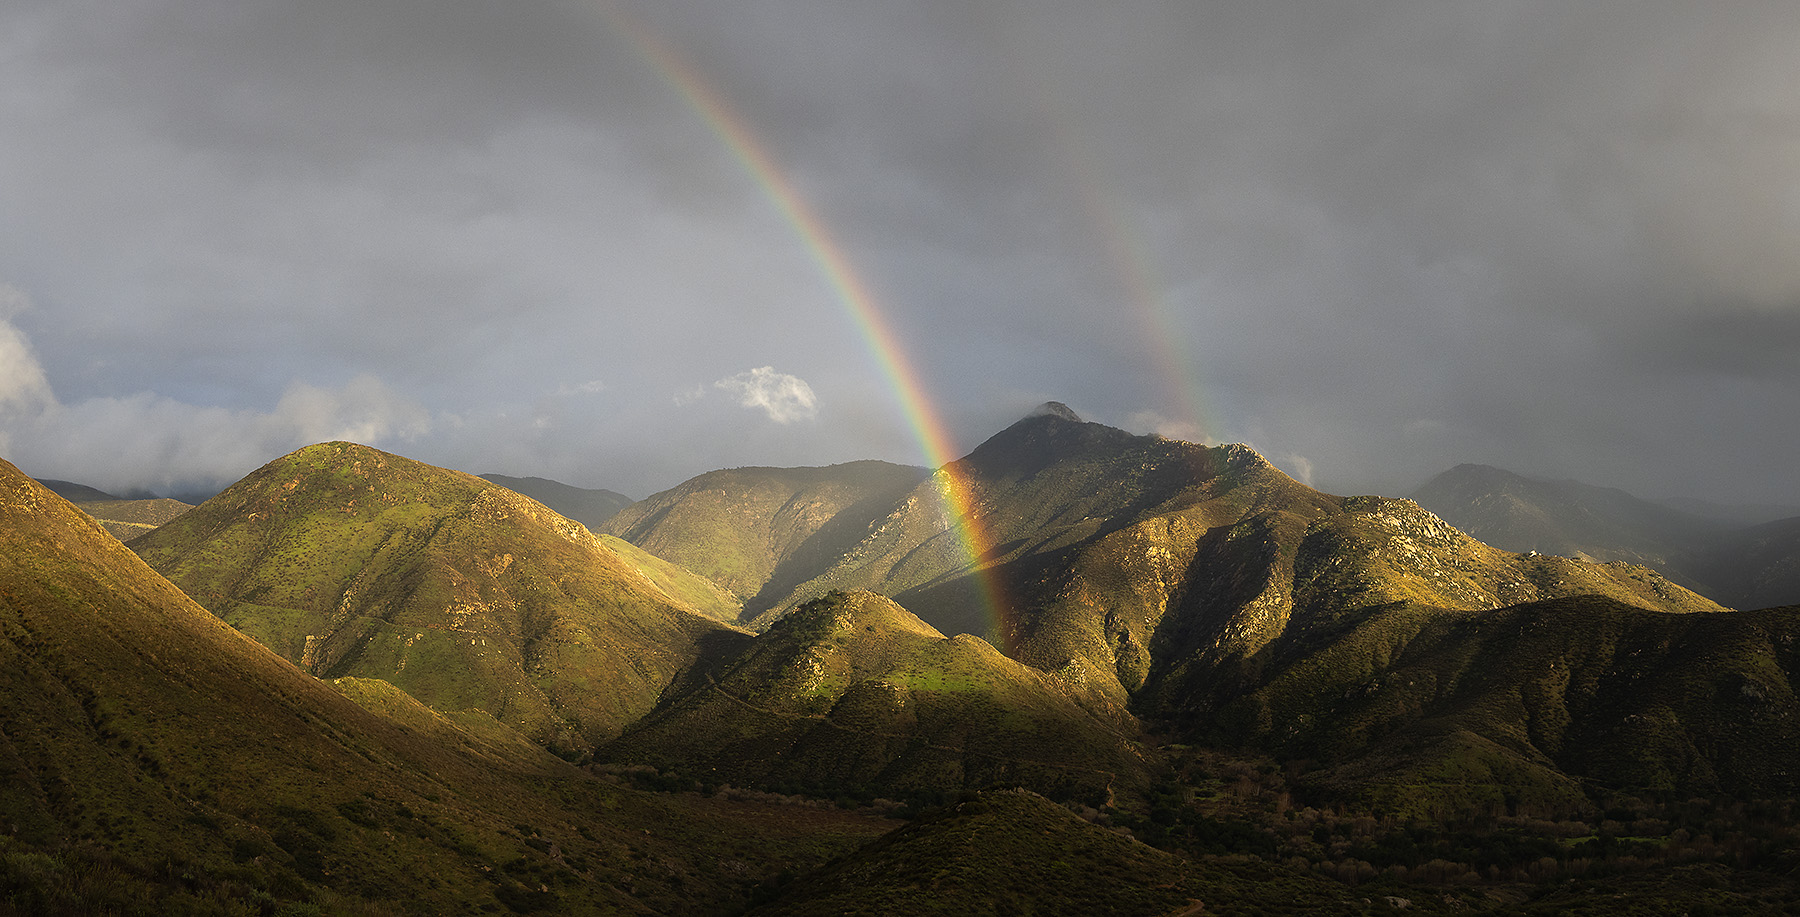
point(858, 301)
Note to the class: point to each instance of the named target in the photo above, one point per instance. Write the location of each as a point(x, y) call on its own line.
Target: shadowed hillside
point(350, 561)
point(998, 853)
point(585, 505)
point(1442, 713)
point(155, 761)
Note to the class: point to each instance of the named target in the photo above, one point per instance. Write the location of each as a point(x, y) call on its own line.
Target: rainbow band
point(854, 295)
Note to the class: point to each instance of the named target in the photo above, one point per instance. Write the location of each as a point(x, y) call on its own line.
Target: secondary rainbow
point(857, 300)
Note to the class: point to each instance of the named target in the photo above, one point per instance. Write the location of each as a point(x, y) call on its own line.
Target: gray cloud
point(1379, 237)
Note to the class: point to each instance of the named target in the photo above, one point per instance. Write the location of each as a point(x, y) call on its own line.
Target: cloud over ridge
point(785, 398)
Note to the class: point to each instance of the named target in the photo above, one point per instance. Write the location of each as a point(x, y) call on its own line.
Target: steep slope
point(155, 761)
point(1564, 517)
point(1145, 570)
point(687, 588)
point(758, 531)
point(1447, 713)
point(852, 693)
point(588, 506)
point(350, 561)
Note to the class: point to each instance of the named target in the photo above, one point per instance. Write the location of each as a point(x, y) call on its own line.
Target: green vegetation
point(1234, 694)
point(154, 760)
point(852, 695)
point(352, 562)
point(757, 531)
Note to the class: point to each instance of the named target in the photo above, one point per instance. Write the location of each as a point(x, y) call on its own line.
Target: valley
point(1173, 679)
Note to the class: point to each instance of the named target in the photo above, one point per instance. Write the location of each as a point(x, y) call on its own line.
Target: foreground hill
point(589, 506)
point(155, 761)
point(350, 561)
point(852, 693)
point(759, 531)
point(999, 853)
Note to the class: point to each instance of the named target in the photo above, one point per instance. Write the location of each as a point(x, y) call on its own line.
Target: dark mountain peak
point(1055, 409)
point(75, 493)
point(1046, 435)
point(589, 506)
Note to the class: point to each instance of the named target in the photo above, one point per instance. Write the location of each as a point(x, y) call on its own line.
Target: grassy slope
point(154, 760)
point(851, 693)
point(758, 530)
point(350, 561)
point(694, 592)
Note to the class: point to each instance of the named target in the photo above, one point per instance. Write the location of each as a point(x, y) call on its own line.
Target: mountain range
point(1739, 564)
point(871, 688)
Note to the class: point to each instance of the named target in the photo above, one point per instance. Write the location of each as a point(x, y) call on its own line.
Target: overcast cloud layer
point(1373, 239)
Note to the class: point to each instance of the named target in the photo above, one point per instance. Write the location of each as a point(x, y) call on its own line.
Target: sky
point(621, 243)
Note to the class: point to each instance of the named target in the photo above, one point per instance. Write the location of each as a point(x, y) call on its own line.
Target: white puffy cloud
point(152, 442)
point(23, 387)
point(785, 397)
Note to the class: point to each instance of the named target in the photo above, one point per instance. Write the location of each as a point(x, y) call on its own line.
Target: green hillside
point(349, 561)
point(687, 588)
point(155, 761)
point(853, 694)
point(759, 531)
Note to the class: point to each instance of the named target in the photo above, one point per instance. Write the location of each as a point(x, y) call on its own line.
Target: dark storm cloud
point(1374, 238)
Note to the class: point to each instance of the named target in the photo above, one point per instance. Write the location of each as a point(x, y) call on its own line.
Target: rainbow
point(1130, 261)
point(857, 300)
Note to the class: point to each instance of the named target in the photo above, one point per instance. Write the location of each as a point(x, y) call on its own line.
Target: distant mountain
point(588, 506)
point(124, 519)
point(853, 693)
point(351, 561)
point(1517, 513)
point(1755, 567)
point(1732, 514)
point(75, 493)
point(759, 531)
point(1743, 567)
point(155, 761)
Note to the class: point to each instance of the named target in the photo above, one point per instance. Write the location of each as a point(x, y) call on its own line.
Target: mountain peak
point(1055, 409)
